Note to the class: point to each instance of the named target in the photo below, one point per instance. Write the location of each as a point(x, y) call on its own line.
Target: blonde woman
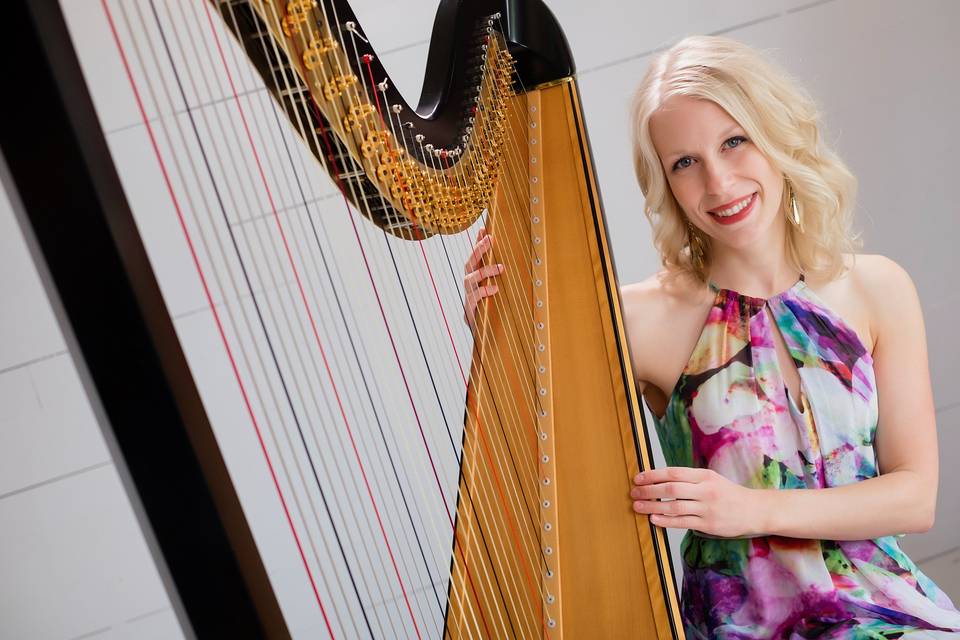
point(787, 374)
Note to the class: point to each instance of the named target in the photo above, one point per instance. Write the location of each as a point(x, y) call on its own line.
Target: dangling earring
point(794, 209)
point(696, 247)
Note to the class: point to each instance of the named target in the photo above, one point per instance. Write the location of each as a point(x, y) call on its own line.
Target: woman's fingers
point(474, 296)
point(483, 245)
point(669, 507)
point(473, 278)
point(475, 274)
point(682, 490)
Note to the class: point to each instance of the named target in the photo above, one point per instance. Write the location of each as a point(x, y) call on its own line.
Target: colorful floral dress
point(731, 412)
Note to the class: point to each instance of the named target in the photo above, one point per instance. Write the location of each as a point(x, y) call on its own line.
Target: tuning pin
point(383, 85)
point(419, 137)
point(397, 108)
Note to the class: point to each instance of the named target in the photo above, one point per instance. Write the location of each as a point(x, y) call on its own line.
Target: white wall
point(71, 559)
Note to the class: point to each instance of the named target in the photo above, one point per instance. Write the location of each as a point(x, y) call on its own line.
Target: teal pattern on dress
point(730, 412)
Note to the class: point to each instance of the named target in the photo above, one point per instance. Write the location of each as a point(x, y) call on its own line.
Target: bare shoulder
point(885, 289)
point(877, 275)
point(651, 300)
point(652, 309)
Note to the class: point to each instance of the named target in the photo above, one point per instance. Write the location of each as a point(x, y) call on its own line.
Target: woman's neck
point(761, 272)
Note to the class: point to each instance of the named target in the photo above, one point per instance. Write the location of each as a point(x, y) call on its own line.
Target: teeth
point(735, 209)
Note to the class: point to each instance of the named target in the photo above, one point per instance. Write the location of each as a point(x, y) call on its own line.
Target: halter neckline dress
point(731, 412)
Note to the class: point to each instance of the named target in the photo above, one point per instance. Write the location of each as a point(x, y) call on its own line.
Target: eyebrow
point(726, 134)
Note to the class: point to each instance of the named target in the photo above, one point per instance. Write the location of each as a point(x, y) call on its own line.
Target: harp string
point(494, 300)
point(483, 441)
point(350, 504)
point(493, 303)
point(148, 78)
point(207, 293)
point(481, 614)
point(329, 373)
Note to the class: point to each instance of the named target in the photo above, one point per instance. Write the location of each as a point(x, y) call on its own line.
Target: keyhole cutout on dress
point(786, 365)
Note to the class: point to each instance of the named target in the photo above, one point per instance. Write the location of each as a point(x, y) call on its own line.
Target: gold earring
point(696, 247)
point(793, 207)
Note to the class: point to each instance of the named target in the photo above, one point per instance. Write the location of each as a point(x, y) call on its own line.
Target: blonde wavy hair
point(780, 118)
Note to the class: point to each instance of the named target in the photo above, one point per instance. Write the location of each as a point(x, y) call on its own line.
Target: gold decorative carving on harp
point(344, 350)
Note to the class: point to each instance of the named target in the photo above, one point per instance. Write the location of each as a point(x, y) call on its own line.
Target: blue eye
point(729, 143)
point(734, 142)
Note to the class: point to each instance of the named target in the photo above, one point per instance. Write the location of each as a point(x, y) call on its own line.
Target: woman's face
point(724, 184)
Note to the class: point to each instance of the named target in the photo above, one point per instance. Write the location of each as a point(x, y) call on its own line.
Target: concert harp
point(319, 447)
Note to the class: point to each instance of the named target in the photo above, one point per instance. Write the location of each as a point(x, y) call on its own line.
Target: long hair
point(780, 118)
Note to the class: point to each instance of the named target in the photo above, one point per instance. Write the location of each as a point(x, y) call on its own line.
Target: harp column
point(541, 317)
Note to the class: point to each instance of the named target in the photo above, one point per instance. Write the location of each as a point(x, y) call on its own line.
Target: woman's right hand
point(476, 280)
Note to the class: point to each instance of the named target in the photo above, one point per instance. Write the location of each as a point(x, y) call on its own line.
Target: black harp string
point(518, 504)
point(186, 191)
point(444, 176)
point(468, 493)
point(163, 125)
point(347, 485)
point(341, 281)
point(366, 230)
point(517, 588)
point(390, 521)
point(515, 342)
point(499, 306)
point(400, 137)
point(506, 183)
point(353, 348)
point(233, 239)
point(351, 185)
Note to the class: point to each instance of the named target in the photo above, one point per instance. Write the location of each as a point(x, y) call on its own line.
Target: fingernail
point(495, 288)
point(500, 268)
point(638, 478)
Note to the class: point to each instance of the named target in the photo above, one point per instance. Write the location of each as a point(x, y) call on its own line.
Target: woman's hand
point(475, 275)
point(703, 500)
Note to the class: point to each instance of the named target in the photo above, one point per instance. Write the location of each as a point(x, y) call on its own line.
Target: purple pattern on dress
point(730, 412)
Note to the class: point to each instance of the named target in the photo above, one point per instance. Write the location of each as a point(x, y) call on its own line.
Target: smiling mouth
point(735, 207)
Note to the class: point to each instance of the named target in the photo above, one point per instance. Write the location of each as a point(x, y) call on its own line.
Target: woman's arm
point(901, 500)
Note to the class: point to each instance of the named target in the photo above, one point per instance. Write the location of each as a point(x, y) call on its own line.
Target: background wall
point(72, 560)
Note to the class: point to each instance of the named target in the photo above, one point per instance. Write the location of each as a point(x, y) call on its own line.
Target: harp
point(330, 453)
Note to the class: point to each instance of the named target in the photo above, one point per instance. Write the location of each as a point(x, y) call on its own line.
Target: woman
point(787, 375)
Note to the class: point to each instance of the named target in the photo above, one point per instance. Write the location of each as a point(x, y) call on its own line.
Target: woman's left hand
point(703, 500)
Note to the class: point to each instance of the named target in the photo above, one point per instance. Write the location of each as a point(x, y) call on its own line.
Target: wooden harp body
point(534, 517)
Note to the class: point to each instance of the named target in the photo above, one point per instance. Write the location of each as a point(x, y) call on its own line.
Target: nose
point(718, 176)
